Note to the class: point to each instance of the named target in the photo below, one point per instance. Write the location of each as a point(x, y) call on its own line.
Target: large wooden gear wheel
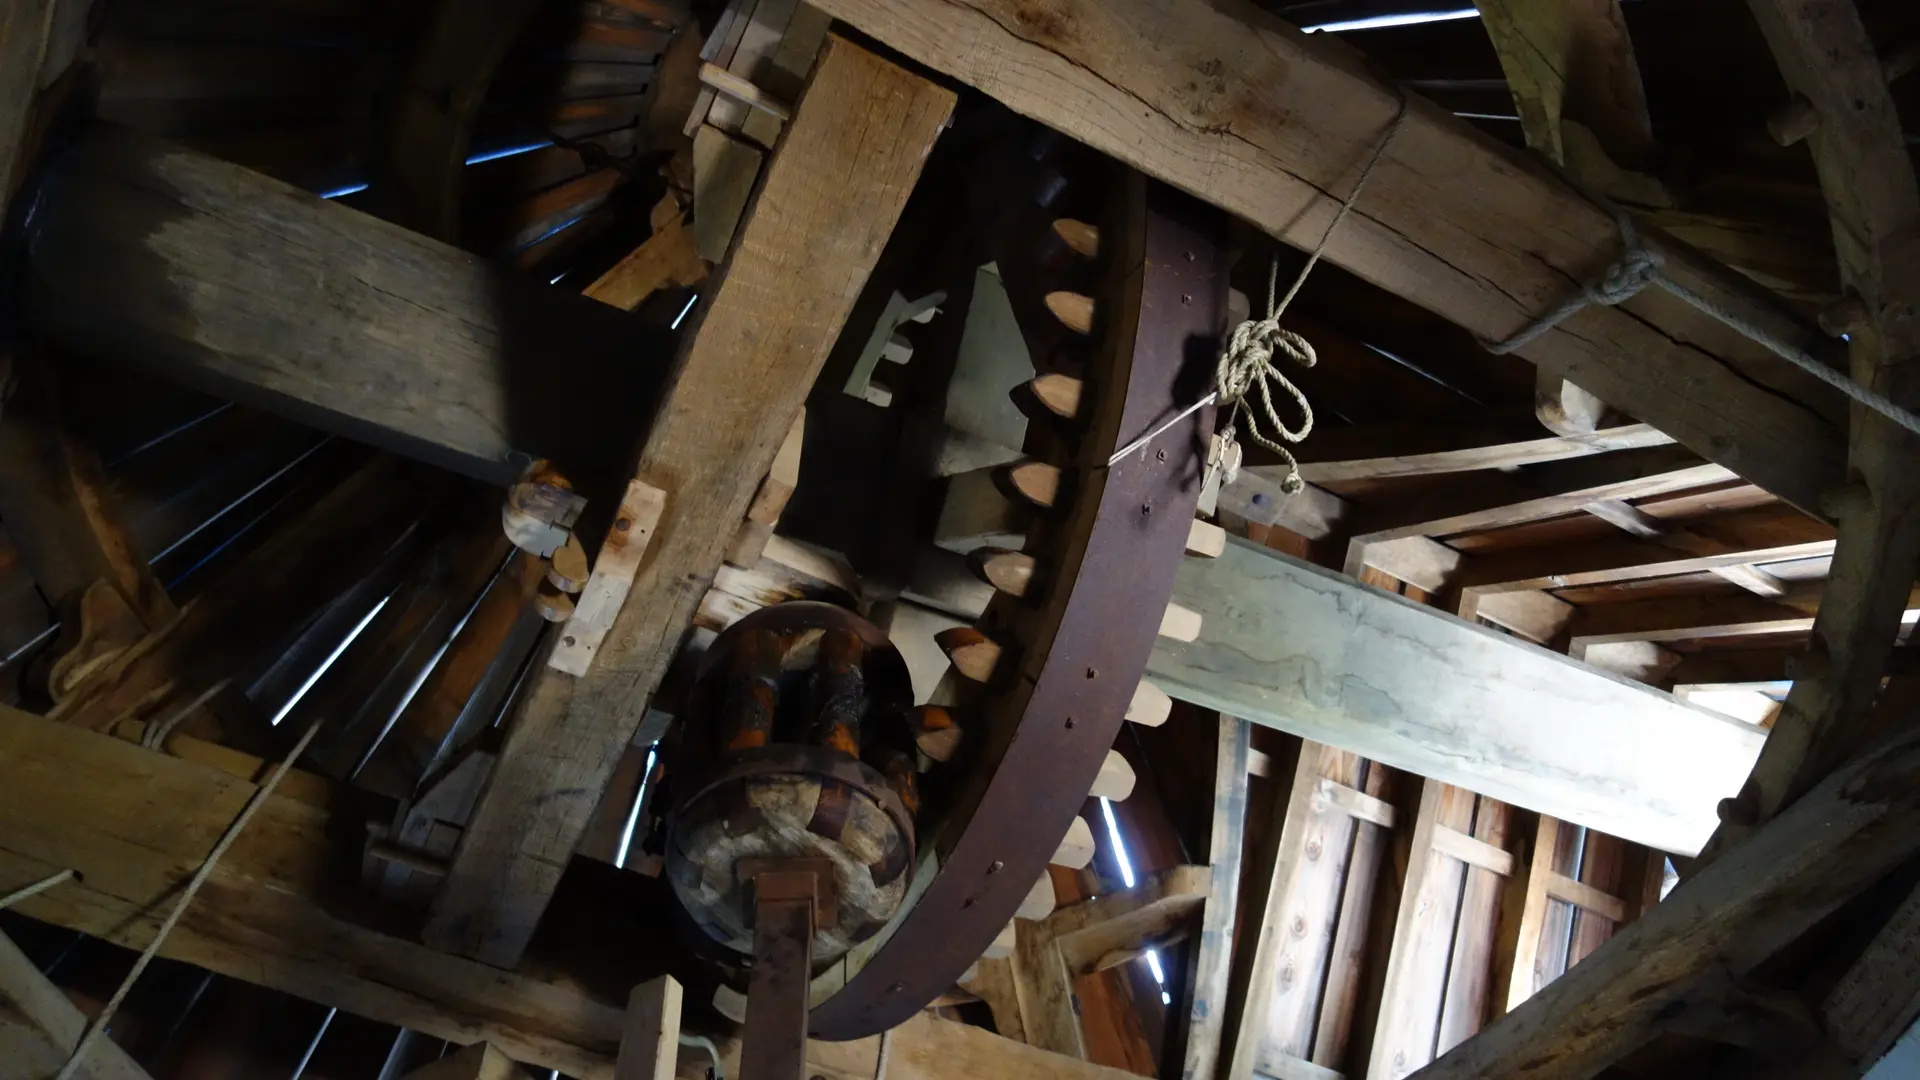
point(1055, 665)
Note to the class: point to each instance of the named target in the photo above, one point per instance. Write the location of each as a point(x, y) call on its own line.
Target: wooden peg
point(935, 732)
point(1011, 572)
point(1150, 706)
point(1115, 781)
point(569, 570)
point(1059, 393)
point(1845, 316)
point(1206, 539)
point(1082, 238)
point(1040, 900)
point(1793, 122)
point(1076, 848)
point(972, 653)
point(1035, 481)
point(1180, 624)
point(1074, 311)
point(552, 604)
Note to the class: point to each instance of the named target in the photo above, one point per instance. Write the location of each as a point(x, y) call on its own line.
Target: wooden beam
point(1572, 61)
point(1728, 918)
point(1523, 918)
point(408, 343)
point(1414, 992)
point(1098, 934)
point(824, 209)
point(136, 824)
point(1305, 650)
point(1226, 851)
point(1397, 450)
point(1873, 200)
point(1879, 996)
point(477, 1062)
point(650, 1041)
point(39, 1026)
point(1203, 99)
point(927, 1048)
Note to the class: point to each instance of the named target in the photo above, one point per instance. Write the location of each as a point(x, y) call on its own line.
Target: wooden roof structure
point(1559, 728)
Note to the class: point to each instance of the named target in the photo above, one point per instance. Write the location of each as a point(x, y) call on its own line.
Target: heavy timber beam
point(234, 282)
point(1873, 198)
point(1246, 112)
point(827, 202)
point(1727, 919)
point(1291, 646)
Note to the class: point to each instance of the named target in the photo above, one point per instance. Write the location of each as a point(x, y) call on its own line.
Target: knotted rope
point(1640, 266)
point(1247, 361)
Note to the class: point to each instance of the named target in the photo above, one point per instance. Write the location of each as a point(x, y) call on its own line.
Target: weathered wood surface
point(1725, 920)
point(1873, 200)
point(1226, 851)
point(234, 282)
point(1305, 650)
point(1354, 453)
point(829, 200)
point(136, 824)
point(927, 1048)
point(39, 1026)
point(1213, 98)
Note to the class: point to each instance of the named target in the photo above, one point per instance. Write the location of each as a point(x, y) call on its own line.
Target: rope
point(35, 889)
point(886, 1054)
point(1247, 361)
point(1640, 266)
point(200, 876)
point(156, 735)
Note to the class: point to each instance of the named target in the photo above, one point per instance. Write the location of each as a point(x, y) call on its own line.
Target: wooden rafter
point(720, 424)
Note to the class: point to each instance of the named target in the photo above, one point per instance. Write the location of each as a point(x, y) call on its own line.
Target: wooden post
point(829, 199)
point(650, 1041)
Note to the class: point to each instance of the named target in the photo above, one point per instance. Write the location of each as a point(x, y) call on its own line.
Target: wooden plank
point(1284, 1066)
point(1355, 804)
point(1873, 200)
point(666, 258)
point(636, 520)
point(1414, 993)
point(1094, 935)
point(1049, 1018)
point(1572, 61)
point(1538, 616)
point(1472, 850)
point(730, 406)
point(1481, 239)
point(1586, 897)
point(1475, 944)
point(650, 1041)
point(1879, 996)
point(1348, 967)
point(411, 344)
point(265, 915)
point(1723, 922)
point(927, 1048)
point(1226, 851)
point(39, 1026)
point(1523, 918)
point(1305, 650)
point(1412, 461)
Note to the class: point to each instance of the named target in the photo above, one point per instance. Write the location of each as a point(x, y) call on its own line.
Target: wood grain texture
point(1873, 201)
point(1414, 995)
point(39, 1026)
point(1292, 646)
point(830, 197)
point(1572, 60)
point(927, 1048)
point(1226, 851)
point(238, 284)
point(136, 824)
point(1724, 921)
point(1208, 98)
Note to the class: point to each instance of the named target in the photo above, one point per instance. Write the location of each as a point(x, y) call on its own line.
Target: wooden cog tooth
point(1150, 706)
point(1060, 394)
point(1206, 539)
point(971, 652)
point(1115, 781)
point(552, 604)
point(569, 570)
point(1180, 624)
point(1074, 311)
point(1035, 481)
point(1040, 900)
point(935, 732)
point(1011, 572)
point(1002, 946)
point(1082, 238)
point(1076, 848)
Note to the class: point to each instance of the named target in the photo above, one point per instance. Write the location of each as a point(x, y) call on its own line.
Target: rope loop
point(1247, 363)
